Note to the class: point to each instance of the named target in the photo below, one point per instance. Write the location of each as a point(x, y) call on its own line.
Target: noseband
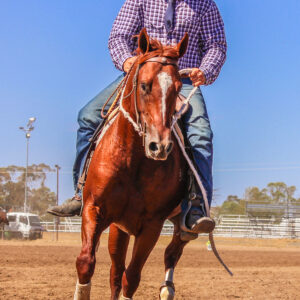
point(136, 123)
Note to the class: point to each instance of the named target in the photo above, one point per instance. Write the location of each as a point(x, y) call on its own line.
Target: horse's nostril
point(153, 146)
point(169, 147)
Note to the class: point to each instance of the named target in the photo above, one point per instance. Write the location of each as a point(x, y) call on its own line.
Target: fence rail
point(257, 227)
point(74, 225)
point(227, 226)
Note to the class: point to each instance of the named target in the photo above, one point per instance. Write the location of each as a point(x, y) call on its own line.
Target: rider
point(166, 21)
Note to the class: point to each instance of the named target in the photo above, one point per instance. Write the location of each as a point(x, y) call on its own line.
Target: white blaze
point(165, 81)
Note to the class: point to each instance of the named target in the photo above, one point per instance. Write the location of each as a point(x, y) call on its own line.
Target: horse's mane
point(157, 49)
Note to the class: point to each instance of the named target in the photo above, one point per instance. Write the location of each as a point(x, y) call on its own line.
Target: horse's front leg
point(91, 229)
point(117, 246)
point(142, 248)
point(172, 256)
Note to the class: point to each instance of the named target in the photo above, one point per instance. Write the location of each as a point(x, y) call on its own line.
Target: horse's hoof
point(167, 293)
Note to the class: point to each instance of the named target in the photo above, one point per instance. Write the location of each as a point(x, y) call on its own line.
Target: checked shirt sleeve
point(213, 42)
point(127, 24)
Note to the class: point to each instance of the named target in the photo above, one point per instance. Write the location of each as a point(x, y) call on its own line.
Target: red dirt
point(263, 269)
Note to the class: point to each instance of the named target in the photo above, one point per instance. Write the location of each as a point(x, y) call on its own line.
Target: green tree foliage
point(273, 193)
point(233, 206)
point(254, 194)
point(281, 193)
point(12, 186)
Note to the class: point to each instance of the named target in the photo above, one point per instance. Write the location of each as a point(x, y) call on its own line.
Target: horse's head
point(157, 87)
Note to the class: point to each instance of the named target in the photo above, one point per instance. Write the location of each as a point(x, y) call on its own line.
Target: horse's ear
point(182, 45)
point(143, 41)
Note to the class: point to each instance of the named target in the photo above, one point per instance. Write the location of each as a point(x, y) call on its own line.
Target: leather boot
point(69, 208)
point(196, 219)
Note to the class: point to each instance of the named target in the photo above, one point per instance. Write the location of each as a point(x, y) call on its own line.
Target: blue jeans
point(196, 125)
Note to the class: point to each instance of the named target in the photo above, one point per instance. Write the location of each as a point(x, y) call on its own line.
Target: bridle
point(120, 90)
point(137, 125)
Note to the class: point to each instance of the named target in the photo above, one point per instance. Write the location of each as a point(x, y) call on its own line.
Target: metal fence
point(74, 225)
point(68, 225)
point(227, 226)
point(257, 227)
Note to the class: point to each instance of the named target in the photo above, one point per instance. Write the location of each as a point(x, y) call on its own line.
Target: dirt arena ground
point(263, 269)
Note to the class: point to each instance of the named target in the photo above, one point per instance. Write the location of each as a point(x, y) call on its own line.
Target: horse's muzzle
point(159, 150)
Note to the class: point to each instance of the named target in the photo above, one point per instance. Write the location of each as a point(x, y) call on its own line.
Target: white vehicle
point(23, 225)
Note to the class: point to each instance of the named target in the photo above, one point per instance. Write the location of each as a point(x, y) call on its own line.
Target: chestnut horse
point(3, 218)
point(137, 175)
point(3, 221)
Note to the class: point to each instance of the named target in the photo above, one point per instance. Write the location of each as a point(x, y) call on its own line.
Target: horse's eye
point(146, 88)
point(143, 87)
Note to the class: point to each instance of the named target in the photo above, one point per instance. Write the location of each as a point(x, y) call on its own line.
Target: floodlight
point(27, 131)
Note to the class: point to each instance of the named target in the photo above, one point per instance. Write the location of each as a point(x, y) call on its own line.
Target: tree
point(281, 193)
point(274, 193)
point(41, 199)
point(12, 186)
point(254, 194)
point(233, 206)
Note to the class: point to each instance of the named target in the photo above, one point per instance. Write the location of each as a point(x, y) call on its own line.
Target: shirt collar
point(175, 1)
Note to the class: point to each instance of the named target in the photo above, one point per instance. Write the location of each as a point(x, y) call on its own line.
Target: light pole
point(29, 127)
point(57, 190)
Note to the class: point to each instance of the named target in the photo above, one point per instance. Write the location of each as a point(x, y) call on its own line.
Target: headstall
point(136, 123)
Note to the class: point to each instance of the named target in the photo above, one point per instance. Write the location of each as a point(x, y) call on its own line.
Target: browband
point(163, 60)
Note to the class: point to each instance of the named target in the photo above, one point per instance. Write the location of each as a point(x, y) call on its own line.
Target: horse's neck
point(125, 130)
point(129, 142)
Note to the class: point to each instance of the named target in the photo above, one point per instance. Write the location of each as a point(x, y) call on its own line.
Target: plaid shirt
point(200, 18)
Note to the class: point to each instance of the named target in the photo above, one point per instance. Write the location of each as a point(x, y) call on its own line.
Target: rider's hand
point(197, 77)
point(128, 63)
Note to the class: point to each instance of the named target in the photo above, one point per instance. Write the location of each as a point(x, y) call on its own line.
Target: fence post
point(57, 189)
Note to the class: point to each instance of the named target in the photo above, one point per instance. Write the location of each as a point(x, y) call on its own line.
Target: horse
point(3, 221)
point(3, 218)
point(137, 176)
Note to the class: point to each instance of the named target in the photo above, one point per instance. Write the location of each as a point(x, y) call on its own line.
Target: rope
point(186, 101)
point(192, 167)
point(126, 114)
point(119, 90)
point(114, 103)
point(204, 194)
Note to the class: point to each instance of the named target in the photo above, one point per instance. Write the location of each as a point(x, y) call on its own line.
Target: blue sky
point(54, 58)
